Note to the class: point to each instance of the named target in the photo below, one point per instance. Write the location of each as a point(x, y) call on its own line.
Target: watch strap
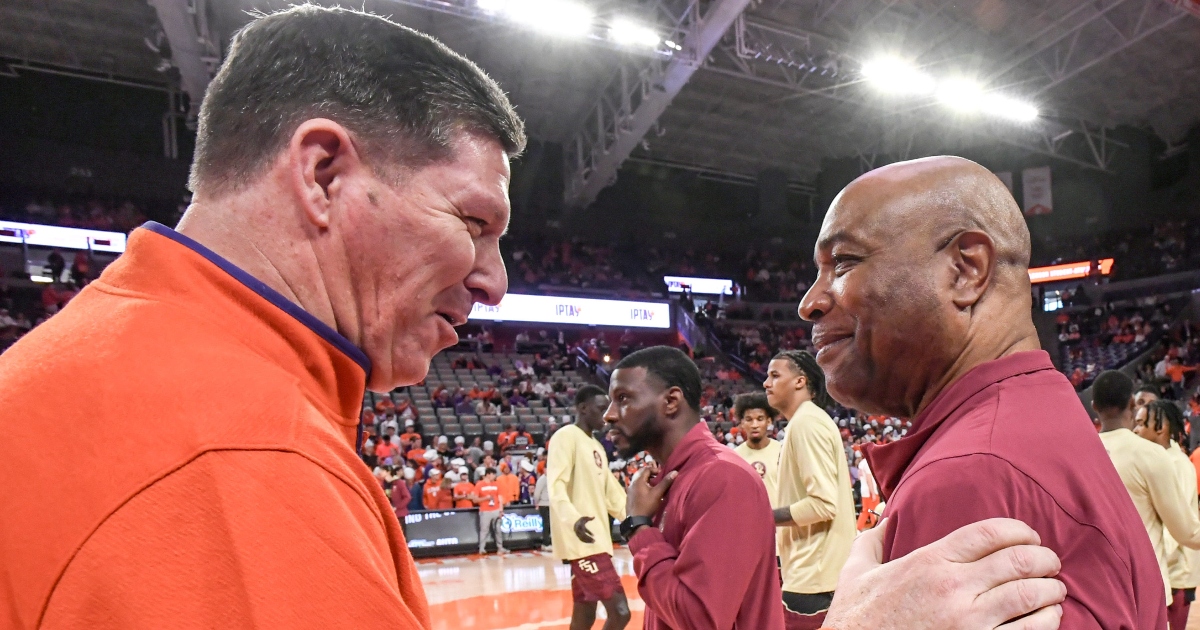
point(634, 522)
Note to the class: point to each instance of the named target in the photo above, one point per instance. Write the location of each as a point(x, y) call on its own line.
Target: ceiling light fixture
point(554, 17)
point(1009, 108)
point(629, 33)
point(897, 76)
point(962, 95)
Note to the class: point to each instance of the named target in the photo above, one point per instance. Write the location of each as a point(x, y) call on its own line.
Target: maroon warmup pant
point(1181, 604)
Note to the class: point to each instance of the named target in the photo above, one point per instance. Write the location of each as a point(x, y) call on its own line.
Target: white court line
point(540, 624)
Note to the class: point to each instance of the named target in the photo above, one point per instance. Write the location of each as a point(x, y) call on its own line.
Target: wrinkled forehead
point(877, 208)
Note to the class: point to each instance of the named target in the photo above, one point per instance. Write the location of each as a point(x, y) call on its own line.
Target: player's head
point(651, 391)
point(754, 415)
point(1112, 394)
point(590, 403)
point(350, 139)
point(1160, 421)
point(1145, 395)
point(793, 377)
point(916, 262)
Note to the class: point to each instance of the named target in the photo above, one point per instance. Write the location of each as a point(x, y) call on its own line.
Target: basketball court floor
point(527, 590)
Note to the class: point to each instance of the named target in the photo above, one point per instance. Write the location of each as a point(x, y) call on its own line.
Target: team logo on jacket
point(599, 462)
point(761, 468)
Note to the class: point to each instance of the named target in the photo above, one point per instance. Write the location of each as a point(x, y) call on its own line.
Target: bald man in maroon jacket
point(921, 309)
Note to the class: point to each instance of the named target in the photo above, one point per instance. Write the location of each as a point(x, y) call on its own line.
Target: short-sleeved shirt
point(490, 497)
point(765, 462)
point(463, 490)
point(1011, 439)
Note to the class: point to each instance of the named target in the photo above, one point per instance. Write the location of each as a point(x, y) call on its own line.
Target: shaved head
point(922, 270)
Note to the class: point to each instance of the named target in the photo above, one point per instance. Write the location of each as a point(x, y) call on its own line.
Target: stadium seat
point(452, 430)
point(492, 430)
point(472, 431)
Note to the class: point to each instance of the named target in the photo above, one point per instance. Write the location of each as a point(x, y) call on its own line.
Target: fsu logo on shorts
point(599, 462)
point(589, 566)
point(761, 468)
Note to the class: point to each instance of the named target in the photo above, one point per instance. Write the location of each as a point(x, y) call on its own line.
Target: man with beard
point(689, 574)
point(921, 309)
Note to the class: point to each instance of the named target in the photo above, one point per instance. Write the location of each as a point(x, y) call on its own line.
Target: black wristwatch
point(629, 525)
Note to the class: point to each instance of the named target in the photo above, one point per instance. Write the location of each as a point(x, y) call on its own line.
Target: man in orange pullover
point(218, 369)
point(328, 141)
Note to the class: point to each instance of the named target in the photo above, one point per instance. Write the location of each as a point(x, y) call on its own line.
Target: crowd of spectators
point(92, 214)
point(765, 275)
point(1161, 248)
point(570, 263)
point(1172, 365)
point(1096, 339)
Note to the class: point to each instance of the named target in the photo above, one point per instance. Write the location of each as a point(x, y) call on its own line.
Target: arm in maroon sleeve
point(950, 493)
point(401, 495)
point(703, 583)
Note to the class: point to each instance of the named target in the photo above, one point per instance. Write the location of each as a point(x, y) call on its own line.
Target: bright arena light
point(961, 94)
point(897, 76)
point(1009, 108)
point(554, 17)
point(629, 33)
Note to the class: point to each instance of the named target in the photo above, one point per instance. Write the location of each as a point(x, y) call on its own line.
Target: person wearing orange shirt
point(463, 490)
point(268, 311)
point(410, 439)
point(1176, 371)
point(505, 440)
point(436, 496)
point(384, 450)
point(510, 485)
point(490, 500)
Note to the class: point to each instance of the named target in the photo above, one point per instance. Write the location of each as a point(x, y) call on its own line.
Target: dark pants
point(805, 611)
point(545, 512)
point(1181, 604)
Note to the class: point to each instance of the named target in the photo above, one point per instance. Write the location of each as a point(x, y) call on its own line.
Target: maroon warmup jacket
point(710, 562)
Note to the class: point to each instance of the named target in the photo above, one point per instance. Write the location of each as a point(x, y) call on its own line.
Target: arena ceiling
point(766, 84)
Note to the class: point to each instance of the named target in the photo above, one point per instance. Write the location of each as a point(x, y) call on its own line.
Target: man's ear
point(673, 401)
point(318, 155)
point(973, 255)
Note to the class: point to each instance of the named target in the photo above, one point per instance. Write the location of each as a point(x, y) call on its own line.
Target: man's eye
point(475, 224)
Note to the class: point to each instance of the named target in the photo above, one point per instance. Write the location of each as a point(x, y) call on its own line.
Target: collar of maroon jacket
point(889, 461)
point(693, 442)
